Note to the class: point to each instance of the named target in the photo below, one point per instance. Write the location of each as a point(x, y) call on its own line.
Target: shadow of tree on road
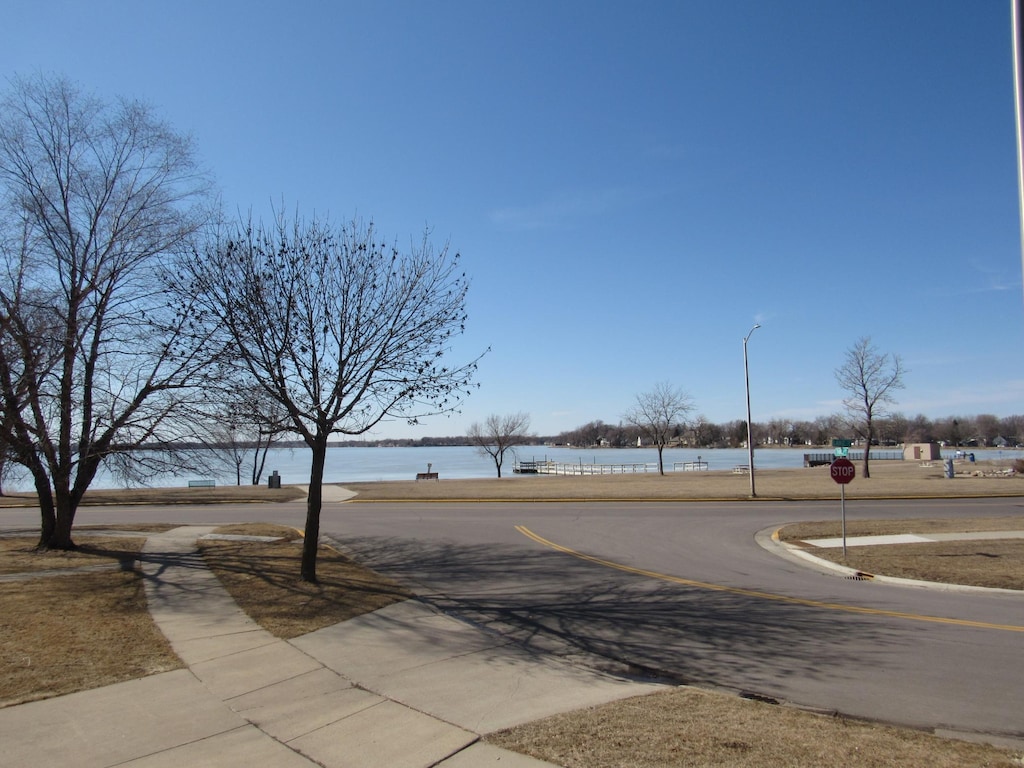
point(553, 602)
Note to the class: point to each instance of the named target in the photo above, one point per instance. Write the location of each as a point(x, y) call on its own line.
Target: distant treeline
point(983, 430)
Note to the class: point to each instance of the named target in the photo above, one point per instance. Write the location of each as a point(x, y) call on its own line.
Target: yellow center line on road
point(763, 595)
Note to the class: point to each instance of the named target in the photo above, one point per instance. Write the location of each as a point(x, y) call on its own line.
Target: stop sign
point(843, 471)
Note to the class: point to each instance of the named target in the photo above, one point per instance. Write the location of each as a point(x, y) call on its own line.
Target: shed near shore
point(922, 452)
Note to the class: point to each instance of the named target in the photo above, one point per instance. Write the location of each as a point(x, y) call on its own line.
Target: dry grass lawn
point(248, 494)
point(19, 554)
point(263, 580)
point(981, 563)
point(90, 626)
point(889, 479)
point(80, 630)
point(832, 528)
point(691, 727)
point(976, 562)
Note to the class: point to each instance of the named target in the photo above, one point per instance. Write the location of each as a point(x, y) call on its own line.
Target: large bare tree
point(500, 434)
point(660, 415)
point(341, 329)
point(869, 378)
point(95, 198)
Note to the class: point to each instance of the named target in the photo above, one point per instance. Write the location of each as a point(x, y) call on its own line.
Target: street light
point(750, 435)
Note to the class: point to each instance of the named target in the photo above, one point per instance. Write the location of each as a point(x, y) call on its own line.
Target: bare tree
point(920, 430)
point(266, 426)
point(499, 434)
point(1012, 427)
point(894, 429)
point(951, 429)
point(701, 429)
point(339, 328)
point(659, 415)
point(245, 430)
point(94, 199)
point(986, 428)
point(869, 378)
point(589, 434)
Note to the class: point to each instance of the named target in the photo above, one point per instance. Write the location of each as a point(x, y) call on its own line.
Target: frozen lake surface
point(360, 464)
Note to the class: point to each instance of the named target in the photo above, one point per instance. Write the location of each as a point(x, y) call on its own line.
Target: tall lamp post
point(1016, 11)
point(750, 431)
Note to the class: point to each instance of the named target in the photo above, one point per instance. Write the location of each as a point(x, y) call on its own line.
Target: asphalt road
point(685, 591)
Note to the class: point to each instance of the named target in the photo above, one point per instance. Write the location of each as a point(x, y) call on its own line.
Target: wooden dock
point(821, 459)
point(690, 466)
point(579, 468)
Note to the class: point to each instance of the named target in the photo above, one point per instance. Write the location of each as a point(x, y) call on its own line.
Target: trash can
point(971, 457)
point(274, 481)
point(950, 472)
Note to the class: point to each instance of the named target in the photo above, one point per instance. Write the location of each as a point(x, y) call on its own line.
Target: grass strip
point(263, 578)
point(693, 727)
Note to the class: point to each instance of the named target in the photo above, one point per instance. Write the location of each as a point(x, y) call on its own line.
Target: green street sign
point(842, 444)
point(842, 452)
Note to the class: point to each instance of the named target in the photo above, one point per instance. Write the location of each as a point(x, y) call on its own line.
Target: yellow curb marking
point(763, 595)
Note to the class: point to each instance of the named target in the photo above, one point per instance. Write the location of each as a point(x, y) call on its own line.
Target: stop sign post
point(843, 471)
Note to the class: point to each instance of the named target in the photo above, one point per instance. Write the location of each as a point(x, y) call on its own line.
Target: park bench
point(202, 483)
point(427, 476)
point(741, 469)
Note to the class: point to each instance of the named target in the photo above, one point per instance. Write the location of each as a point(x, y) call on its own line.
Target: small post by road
point(842, 507)
point(842, 471)
point(750, 436)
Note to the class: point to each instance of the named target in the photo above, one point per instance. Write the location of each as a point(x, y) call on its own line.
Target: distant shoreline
point(390, 467)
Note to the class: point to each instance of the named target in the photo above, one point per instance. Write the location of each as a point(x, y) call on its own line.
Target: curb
point(684, 500)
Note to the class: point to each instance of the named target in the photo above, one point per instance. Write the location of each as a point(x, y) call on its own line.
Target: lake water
point(458, 462)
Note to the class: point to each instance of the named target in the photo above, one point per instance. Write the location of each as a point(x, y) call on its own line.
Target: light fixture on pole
point(750, 431)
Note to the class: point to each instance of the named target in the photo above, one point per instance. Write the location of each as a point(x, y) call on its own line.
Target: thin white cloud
point(979, 398)
point(997, 277)
point(999, 397)
point(805, 413)
point(560, 209)
point(987, 280)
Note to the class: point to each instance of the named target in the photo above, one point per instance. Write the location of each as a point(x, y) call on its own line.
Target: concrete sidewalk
point(404, 686)
point(913, 538)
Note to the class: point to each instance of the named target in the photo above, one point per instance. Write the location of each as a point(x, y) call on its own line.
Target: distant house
point(922, 452)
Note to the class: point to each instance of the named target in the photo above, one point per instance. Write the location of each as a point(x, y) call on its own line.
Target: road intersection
point(684, 592)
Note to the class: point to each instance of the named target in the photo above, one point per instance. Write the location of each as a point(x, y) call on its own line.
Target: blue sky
point(632, 185)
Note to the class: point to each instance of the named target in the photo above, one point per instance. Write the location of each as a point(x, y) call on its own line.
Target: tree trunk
point(66, 499)
point(661, 460)
point(259, 460)
point(67, 496)
point(48, 521)
point(61, 536)
point(313, 504)
point(867, 449)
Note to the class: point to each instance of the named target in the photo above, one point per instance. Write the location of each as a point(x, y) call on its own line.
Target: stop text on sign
point(843, 471)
